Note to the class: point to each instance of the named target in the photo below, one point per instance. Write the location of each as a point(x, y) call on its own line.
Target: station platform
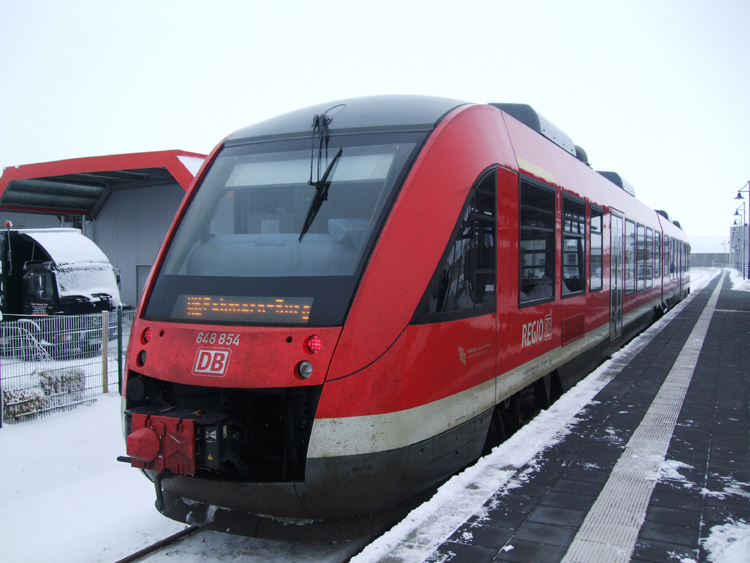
point(657, 461)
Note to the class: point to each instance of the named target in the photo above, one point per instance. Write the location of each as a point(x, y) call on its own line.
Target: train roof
point(536, 121)
point(401, 113)
point(619, 181)
point(411, 113)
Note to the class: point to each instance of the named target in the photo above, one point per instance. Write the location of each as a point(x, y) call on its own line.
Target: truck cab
point(48, 276)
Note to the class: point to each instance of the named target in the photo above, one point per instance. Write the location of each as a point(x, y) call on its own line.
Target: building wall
point(710, 260)
point(30, 220)
point(129, 229)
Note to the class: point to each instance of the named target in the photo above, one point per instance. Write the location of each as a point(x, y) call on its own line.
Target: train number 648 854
point(220, 338)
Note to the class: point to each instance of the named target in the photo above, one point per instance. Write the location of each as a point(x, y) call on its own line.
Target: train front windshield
point(262, 244)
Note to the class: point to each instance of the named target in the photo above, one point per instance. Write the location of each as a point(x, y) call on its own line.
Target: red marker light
point(314, 344)
point(147, 334)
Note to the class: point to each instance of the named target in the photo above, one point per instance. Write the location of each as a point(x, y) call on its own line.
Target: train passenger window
point(537, 208)
point(657, 256)
point(464, 283)
point(649, 257)
point(573, 246)
point(629, 256)
point(667, 242)
point(669, 265)
point(595, 235)
point(683, 260)
point(683, 257)
point(641, 256)
point(687, 257)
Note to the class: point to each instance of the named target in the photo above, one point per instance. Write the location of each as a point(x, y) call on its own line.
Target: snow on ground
point(738, 284)
point(65, 498)
point(727, 543)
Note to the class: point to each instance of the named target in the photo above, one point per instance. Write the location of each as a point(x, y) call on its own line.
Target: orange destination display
point(294, 310)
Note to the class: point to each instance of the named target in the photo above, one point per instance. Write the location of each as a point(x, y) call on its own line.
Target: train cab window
point(573, 246)
point(657, 256)
point(464, 283)
point(629, 256)
point(595, 243)
point(641, 257)
point(649, 257)
point(537, 208)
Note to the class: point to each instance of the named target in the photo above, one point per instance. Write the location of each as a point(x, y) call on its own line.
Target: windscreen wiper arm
point(321, 194)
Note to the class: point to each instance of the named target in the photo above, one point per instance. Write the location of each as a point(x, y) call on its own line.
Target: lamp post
point(736, 246)
point(745, 245)
point(742, 234)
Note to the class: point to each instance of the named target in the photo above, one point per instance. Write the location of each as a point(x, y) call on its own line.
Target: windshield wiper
point(321, 194)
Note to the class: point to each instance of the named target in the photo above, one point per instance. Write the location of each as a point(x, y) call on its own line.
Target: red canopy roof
point(80, 186)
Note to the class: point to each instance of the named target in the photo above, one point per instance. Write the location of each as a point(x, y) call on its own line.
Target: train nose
point(143, 445)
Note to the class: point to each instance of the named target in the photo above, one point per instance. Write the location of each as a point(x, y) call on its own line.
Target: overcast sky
point(656, 90)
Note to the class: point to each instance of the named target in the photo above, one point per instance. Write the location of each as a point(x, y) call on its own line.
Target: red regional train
point(357, 299)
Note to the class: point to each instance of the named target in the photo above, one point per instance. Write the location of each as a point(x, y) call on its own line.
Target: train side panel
point(409, 249)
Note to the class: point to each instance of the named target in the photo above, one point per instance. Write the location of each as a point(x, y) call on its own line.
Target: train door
point(616, 284)
point(680, 259)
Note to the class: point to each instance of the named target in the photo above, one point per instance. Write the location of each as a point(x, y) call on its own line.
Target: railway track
point(195, 544)
point(174, 538)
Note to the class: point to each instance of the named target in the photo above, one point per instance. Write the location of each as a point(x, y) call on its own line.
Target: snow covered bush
point(61, 387)
point(20, 402)
point(54, 388)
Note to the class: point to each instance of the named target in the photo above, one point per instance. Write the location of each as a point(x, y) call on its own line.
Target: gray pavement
point(704, 474)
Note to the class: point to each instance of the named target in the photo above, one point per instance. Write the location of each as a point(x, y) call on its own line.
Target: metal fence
point(48, 364)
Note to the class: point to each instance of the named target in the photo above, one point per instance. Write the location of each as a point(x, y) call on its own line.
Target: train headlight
point(147, 334)
point(305, 369)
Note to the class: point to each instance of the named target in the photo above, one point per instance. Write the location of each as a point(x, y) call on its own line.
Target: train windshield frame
point(241, 235)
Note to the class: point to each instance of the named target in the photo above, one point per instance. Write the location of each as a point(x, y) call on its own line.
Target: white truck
point(46, 277)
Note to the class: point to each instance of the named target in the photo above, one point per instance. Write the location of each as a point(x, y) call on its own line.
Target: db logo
point(211, 362)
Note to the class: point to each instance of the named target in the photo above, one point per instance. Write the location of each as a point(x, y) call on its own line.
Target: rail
point(138, 555)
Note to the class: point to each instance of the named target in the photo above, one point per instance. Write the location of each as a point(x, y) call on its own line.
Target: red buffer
point(162, 443)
